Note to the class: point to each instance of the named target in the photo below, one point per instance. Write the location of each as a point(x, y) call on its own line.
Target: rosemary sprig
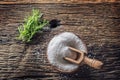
point(32, 25)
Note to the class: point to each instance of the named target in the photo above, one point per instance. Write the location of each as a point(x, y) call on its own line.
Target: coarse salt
point(58, 49)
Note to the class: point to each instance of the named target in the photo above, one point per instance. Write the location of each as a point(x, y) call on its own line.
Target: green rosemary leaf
point(32, 25)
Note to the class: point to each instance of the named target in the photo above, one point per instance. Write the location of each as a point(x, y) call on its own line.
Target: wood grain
point(97, 24)
point(54, 1)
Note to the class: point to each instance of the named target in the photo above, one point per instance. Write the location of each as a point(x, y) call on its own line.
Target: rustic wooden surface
point(97, 24)
point(54, 1)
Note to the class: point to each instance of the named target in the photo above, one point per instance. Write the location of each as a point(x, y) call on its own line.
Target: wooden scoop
point(81, 58)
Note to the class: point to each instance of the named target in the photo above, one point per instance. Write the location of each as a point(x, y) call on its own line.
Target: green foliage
point(32, 25)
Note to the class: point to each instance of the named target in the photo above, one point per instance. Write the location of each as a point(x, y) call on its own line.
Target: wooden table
point(97, 24)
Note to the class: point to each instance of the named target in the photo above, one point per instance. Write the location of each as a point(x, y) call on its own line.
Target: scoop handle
point(93, 62)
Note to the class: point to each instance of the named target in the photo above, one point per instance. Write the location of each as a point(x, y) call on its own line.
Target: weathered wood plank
point(54, 1)
point(98, 25)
